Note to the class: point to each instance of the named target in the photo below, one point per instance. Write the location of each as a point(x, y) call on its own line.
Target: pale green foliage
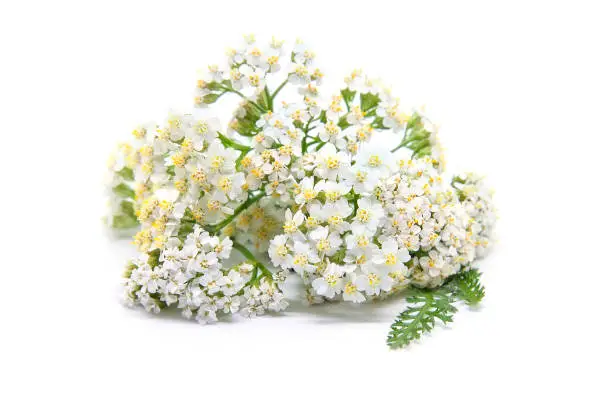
point(468, 287)
point(428, 306)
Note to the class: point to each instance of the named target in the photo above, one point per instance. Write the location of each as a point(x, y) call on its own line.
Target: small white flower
point(210, 281)
point(331, 283)
point(204, 262)
point(207, 314)
point(229, 304)
point(307, 190)
point(222, 248)
point(303, 258)
point(389, 256)
point(293, 222)
point(278, 250)
point(373, 282)
point(232, 282)
point(330, 163)
point(325, 242)
point(367, 217)
point(350, 292)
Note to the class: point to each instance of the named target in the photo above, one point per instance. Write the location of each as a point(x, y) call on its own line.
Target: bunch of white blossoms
point(292, 185)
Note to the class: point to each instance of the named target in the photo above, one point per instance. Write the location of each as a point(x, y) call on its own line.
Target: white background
point(522, 93)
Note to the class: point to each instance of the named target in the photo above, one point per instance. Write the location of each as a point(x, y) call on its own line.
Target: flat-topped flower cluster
point(290, 187)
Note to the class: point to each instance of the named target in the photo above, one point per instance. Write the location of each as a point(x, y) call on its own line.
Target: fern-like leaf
point(425, 307)
point(468, 287)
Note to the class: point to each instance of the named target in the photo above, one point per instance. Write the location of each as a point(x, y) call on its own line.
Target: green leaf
point(323, 117)
point(126, 173)
point(369, 101)
point(210, 98)
point(378, 123)
point(127, 208)
point(343, 123)
point(468, 287)
point(227, 142)
point(187, 225)
point(217, 86)
point(348, 97)
point(124, 221)
point(425, 307)
point(153, 260)
point(123, 190)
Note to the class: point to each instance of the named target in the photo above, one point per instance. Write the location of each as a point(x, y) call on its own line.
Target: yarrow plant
point(296, 186)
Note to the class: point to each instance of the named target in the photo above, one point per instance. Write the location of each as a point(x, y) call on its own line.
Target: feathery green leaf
point(425, 307)
point(468, 287)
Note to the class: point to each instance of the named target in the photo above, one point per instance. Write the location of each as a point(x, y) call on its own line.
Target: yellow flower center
point(363, 215)
point(390, 259)
point(332, 162)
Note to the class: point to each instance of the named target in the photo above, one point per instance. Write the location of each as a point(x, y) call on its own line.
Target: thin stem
point(398, 147)
point(404, 141)
point(249, 255)
point(306, 130)
point(251, 200)
point(234, 145)
point(256, 105)
point(281, 86)
point(268, 99)
point(353, 201)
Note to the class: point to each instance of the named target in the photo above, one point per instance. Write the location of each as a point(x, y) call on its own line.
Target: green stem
point(256, 105)
point(353, 201)
point(251, 200)
point(306, 130)
point(227, 142)
point(249, 255)
point(399, 146)
point(269, 99)
point(404, 141)
point(281, 86)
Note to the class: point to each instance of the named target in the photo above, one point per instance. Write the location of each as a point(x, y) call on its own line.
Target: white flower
point(219, 159)
point(299, 74)
point(172, 258)
point(333, 213)
point(207, 314)
point(229, 187)
point(278, 250)
point(373, 282)
point(302, 54)
point(150, 278)
point(363, 179)
point(229, 304)
point(332, 281)
point(331, 132)
point(210, 281)
point(432, 264)
point(330, 163)
point(354, 81)
point(377, 161)
point(302, 258)
point(278, 302)
point(203, 129)
point(367, 217)
point(307, 191)
point(204, 262)
point(232, 282)
point(293, 222)
point(326, 243)
point(334, 191)
point(389, 256)
point(252, 79)
point(350, 292)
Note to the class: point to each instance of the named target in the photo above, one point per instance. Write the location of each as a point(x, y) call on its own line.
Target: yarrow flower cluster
point(296, 186)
